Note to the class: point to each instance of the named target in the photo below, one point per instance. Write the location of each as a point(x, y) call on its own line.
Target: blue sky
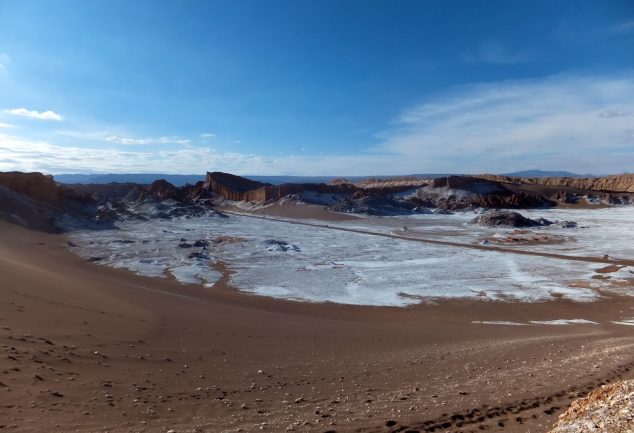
point(316, 87)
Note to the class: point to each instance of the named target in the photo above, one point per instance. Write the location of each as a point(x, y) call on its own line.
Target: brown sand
point(88, 348)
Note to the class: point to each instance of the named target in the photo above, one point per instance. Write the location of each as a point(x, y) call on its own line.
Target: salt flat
point(316, 263)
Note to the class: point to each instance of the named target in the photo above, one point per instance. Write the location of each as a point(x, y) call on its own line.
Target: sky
point(319, 87)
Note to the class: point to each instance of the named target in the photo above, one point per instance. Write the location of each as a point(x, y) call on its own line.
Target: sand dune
point(86, 348)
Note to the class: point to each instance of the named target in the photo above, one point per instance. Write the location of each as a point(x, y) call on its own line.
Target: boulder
point(502, 218)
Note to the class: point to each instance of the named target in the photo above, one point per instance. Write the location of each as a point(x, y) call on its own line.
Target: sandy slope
point(86, 348)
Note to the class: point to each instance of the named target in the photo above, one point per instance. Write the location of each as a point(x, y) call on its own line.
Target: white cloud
point(494, 52)
point(33, 114)
point(5, 125)
point(207, 135)
point(127, 140)
point(509, 125)
point(37, 155)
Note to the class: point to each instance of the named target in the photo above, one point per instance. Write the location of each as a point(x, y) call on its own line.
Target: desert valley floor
point(283, 320)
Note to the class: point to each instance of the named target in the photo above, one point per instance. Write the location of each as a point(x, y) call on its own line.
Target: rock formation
point(616, 183)
point(37, 201)
point(375, 204)
point(619, 183)
point(37, 197)
point(609, 409)
point(500, 218)
point(236, 188)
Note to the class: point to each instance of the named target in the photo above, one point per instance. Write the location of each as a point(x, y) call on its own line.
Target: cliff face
point(236, 188)
point(43, 189)
point(36, 186)
point(609, 409)
point(620, 183)
point(617, 183)
point(37, 201)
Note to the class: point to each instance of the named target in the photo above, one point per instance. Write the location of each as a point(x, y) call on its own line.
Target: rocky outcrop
point(373, 205)
point(160, 200)
point(615, 183)
point(36, 186)
point(163, 190)
point(609, 409)
point(37, 201)
point(500, 218)
point(236, 188)
point(395, 182)
point(468, 192)
point(620, 183)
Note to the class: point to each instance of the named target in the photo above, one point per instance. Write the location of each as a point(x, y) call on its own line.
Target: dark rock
point(374, 204)
point(500, 218)
point(275, 245)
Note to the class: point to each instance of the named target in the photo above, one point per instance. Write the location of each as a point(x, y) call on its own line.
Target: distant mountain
point(542, 173)
point(182, 179)
point(140, 178)
point(278, 180)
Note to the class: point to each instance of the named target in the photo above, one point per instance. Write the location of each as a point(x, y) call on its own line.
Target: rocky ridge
point(619, 183)
point(37, 200)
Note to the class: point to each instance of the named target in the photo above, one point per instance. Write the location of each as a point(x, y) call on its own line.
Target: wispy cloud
point(496, 53)
point(5, 60)
point(548, 123)
point(38, 155)
point(612, 112)
point(624, 27)
point(127, 140)
point(207, 135)
point(5, 125)
point(33, 114)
